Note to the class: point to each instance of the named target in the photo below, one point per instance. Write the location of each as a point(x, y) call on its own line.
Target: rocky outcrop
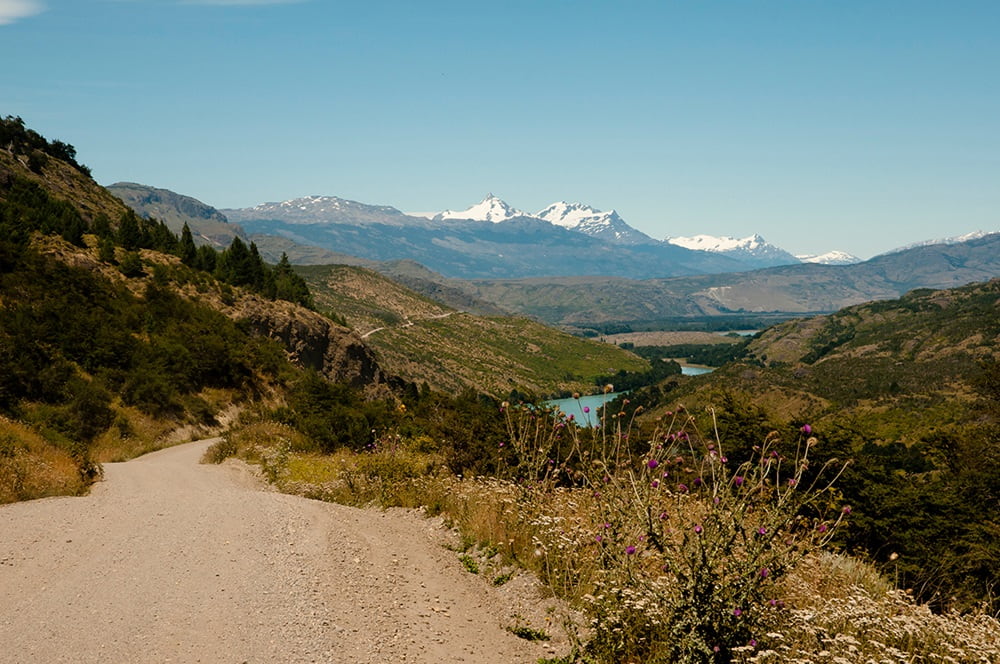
point(315, 342)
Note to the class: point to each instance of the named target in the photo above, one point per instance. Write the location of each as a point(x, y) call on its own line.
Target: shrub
point(688, 546)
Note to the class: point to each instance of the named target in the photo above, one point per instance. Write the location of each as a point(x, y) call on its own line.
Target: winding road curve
point(169, 560)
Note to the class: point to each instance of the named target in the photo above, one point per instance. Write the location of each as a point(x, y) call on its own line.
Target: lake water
point(575, 407)
point(742, 333)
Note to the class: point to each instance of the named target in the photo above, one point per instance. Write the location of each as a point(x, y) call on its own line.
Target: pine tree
point(187, 251)
point(129, 232)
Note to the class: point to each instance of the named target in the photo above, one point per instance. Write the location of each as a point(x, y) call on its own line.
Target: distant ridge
point(957, 239)
point(208, 225)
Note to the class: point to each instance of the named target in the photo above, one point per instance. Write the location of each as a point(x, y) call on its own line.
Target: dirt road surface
point(169, 560)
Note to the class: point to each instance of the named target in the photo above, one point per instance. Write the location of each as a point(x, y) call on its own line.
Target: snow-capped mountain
point(319, 210)
point(834, 257)
point(585, 219)
point(974, 235)
point(753, 250)
point(490, 208)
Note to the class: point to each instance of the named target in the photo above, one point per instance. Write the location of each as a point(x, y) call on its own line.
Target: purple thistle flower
point(806, 429)
point(738, 480)
point(586, 409)
point(598, 539)
point(663, 516)
point(652, 463)
point(847, 509)
point(682, 488)
point(697, 481)
point(792, 481)
point(737, 612)
point(762, 530)
point(698, 529)
point(821, 528)
point(764, 572)
point(655, 483)
point(629, 550)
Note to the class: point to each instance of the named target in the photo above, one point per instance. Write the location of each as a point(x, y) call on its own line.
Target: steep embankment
point(169, 560)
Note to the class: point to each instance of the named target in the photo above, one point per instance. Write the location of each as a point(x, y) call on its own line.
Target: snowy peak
point(957, 239)
point(834, 257)
point(571, 215)
point(754, 249)
point(585, 219)
point(320, 210)
point(490, 208)
point(719, 244)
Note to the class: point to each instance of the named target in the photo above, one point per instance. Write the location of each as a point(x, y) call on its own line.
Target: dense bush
point(18, 139)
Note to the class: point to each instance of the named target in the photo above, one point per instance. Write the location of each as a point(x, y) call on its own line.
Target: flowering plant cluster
point(688, 546)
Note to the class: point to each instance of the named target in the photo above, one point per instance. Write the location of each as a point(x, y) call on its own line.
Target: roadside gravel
point(169, 560)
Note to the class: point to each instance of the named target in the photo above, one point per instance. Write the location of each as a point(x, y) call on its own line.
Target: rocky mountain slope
point(208, 225)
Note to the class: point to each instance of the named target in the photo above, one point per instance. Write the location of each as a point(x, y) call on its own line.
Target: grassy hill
point(909, 389)
point(422, 340)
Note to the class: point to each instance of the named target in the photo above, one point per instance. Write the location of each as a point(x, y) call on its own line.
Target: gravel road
point(169, 560)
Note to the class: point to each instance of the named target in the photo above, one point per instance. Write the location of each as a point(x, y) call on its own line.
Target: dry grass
point(828, 608)
point(667, 338)
point(842, 611)
point(32, 468)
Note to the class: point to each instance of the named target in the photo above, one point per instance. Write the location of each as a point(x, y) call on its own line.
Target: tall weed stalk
point(687, 547)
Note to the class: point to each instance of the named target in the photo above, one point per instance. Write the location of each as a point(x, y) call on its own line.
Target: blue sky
point(821, 124)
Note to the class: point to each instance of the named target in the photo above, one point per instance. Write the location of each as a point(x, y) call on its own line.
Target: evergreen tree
point(130, 235)
point(206, 258)
point(102, 226)
point(290, 286)
point(187, 251)
point(257, 270)
point(106, 250)
point(160, 237)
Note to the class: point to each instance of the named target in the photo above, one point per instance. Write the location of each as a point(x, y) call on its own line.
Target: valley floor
point(171, 560)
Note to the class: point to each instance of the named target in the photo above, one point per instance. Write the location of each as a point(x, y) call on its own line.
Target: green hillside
point(424, 341)
point(910, 390)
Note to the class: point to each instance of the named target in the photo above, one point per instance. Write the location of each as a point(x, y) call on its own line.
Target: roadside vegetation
point(678, 544)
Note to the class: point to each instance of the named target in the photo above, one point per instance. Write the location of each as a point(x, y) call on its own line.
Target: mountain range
point(500, 243)
point(566, 272)
point(493, 232)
